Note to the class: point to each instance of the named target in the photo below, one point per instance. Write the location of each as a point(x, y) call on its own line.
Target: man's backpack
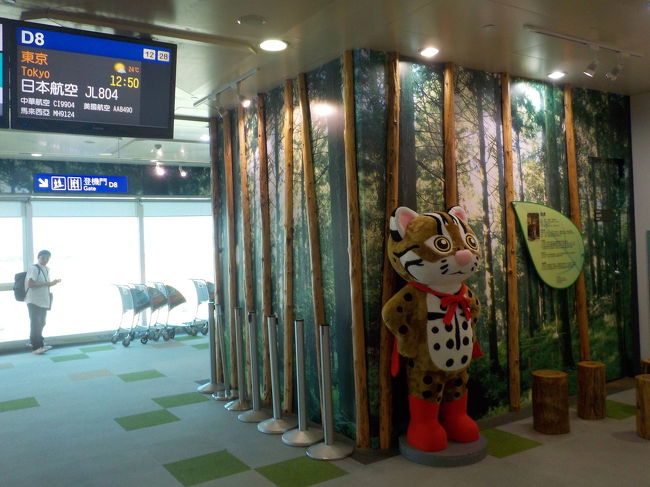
point(19, 286)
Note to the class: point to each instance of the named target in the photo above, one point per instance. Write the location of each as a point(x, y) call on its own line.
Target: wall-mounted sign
point(555, 244)
point(71, 81)
point(75, 184)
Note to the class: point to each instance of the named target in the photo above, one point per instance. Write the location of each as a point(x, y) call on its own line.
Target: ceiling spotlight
point(182, 171)
point(557, 74)
point(616, 70)
point(245, 102)
point(37, 154)
point(273, 45)
point(591, 68)
point(159, 170)
point(429, 51)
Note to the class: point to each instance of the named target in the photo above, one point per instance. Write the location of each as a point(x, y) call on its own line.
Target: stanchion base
point(298, 437)
point(210, 388)
point(253, 416)
point(455, 455)
point(277, 426)
point(237, 405)
point(335, 451)
point(225, 395)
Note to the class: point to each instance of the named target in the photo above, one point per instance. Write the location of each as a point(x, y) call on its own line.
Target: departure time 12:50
point(124, 81)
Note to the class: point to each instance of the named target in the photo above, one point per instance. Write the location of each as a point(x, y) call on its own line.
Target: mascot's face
point(434, 249)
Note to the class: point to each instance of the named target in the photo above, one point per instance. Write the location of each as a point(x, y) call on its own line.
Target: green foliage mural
point(421, 173)
point(325, 88)
point(479, 159)
point(275, 154)
point(371, 127)
point(547, 318)
point(603, 151)
point(548, 334)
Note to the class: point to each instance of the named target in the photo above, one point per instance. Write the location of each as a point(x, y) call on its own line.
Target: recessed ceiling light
point(36, 154)
point(106, 154)
point(204, 138)
point(429, 51)
point(273, 45)
point(557, 75)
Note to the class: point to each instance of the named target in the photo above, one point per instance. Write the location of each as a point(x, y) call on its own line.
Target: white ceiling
point(481, 34)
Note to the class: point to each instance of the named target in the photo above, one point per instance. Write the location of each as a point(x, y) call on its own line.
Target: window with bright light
point(14, 322)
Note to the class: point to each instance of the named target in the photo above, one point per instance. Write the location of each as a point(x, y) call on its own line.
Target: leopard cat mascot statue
point(433, 319)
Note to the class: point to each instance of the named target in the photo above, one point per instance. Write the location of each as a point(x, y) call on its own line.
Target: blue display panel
point(76, 184)
point(72, 81)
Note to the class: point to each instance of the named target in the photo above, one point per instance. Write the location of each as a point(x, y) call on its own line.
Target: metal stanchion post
point(301, 436)
point(226, 394)
point(240, 404)
point(256, 414)
point(328, 449)
point(213, 385)
point(277, 424)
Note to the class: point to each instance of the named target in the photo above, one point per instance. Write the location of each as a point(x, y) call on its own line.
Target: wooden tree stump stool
point(643, 405)
point(551, 402)
point(591, 390)
point(645, 366)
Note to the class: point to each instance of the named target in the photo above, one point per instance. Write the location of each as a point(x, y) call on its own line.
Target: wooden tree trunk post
point(645, 366)
point(267, 304)
point(514, 374)
point(388, 275)
point(312, 219)
point(288, 246)
point(574, 206)
point(449, 139)
point(551, 402)
point(249, 304)
point(232, 256)
point(354, 249)
point(643, 405)
point(591, 390)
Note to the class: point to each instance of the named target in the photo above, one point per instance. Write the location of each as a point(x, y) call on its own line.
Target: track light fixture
point(182, 172)
point(591, 68)
point(244, 101)
point(159, 170)
point(616, 70)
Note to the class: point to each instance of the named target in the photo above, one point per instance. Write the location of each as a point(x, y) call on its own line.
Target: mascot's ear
point(459, 212)
point(402, 216)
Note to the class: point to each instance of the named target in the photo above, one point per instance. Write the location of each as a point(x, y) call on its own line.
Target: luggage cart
point(135, 299)
point(173, 298)
point(202, 296)
point(158, 300)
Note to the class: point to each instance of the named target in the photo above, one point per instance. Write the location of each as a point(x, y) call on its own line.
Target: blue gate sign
point(68, 184)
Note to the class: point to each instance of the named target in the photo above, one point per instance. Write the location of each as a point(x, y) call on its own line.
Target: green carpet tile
point(67, 358)
point(143, 375)
point(187, 337)
point(24, 403)
point(205, 468)
point(146, 420)
point(300, 472)
point(201, 346)
point(502, 444)
point(98, 348)
point(180, 399)
point(619, 410)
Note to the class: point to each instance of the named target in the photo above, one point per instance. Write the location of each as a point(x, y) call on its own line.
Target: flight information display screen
point(4, 105)
point(79, 82)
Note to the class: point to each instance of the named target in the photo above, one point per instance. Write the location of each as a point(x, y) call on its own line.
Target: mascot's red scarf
point(449, 302)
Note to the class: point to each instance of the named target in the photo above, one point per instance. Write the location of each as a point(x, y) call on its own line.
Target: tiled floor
point(102, 415)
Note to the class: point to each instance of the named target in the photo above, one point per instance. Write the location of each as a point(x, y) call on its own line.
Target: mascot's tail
point(394, 360)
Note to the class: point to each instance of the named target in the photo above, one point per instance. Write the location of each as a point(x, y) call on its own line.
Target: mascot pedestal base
point(455, 455)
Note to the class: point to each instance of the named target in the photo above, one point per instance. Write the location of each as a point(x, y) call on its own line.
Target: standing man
point(39, 299)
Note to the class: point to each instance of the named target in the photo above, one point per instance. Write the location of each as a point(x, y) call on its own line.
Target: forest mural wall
point(548, 334)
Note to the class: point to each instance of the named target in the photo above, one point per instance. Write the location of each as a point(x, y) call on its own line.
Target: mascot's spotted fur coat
point(433, 320)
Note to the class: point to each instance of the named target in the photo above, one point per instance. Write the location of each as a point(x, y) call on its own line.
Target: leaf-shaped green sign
point(555, 244)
